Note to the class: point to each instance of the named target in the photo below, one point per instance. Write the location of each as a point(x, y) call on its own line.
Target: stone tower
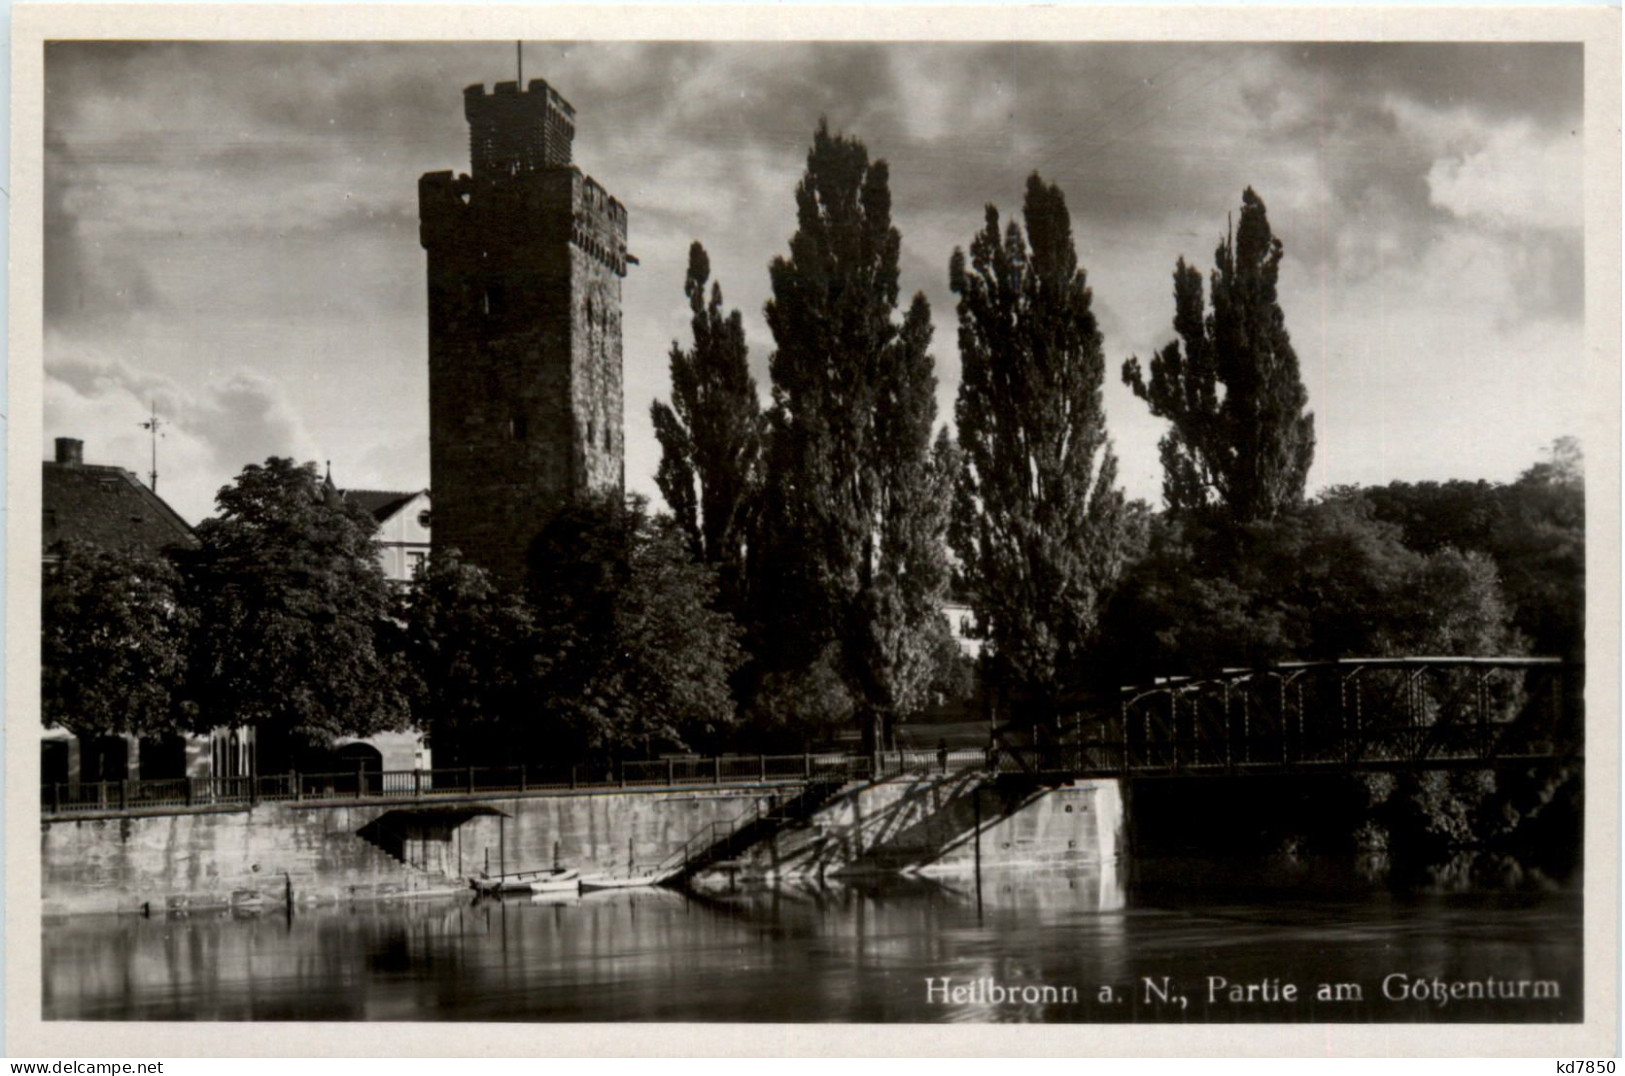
point(526, 257)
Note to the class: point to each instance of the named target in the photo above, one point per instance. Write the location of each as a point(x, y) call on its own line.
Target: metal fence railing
point(294, 786)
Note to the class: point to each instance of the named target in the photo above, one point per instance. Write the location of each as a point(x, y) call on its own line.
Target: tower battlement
point(512, 130)
point(525, 260)
point(559, 203)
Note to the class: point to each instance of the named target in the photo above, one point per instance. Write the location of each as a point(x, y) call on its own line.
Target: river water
point(1063, 947)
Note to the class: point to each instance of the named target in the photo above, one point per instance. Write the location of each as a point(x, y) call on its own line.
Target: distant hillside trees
point(1533, 529)
point(1040, 528)
point(1240, 435)
point(1330, 580)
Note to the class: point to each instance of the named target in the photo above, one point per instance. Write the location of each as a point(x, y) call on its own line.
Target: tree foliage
point(1240, 436)
point(113, 646)
point(633, 653)
point(472, 654)
point(800, 704)
point(711, 433)
point(1040, 526)
point(1533, 529)
point(296, 629)
point(1327, 581)
point(855, 505)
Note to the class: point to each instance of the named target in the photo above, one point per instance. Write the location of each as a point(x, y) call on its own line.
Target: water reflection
point(818, 951)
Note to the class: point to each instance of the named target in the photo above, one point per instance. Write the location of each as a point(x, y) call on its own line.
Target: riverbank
point(343, 852)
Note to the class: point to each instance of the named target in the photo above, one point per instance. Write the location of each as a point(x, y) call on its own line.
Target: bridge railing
point(1355, 713)
point(90, 797)
point(1366, 713)
point(294, 786)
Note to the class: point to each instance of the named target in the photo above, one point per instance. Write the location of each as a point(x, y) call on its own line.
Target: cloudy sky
point(231, 229)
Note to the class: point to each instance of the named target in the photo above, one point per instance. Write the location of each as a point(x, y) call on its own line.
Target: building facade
point(525, 261)
point(404, 520)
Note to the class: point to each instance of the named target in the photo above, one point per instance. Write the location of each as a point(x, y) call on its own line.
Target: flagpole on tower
point(519, 59)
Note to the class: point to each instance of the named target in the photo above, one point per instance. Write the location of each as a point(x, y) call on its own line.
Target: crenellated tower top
point(525, 260)
point(512, 130)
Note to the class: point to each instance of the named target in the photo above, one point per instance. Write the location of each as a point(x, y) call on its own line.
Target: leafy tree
point(1327, 581)
point(296, 631)
point(634, 654)
point(1040, 527)
point(897, 625)
point(472, 651)
point(1563, 467)
point(855, 512)
point(1533, 529)
point(1240, 436)
point(113, 643)
point(803, 704)
point(1540, 550)
point(711, 433)
point(1435, 515)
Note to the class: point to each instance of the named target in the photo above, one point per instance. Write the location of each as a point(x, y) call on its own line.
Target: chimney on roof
point(70, 450)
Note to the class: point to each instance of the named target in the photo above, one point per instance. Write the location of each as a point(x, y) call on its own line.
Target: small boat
point(558, 880)
point(620, 881)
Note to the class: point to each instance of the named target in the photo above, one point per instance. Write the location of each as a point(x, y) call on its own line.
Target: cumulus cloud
point(234, 224)
point(1517, 177)
point(210, 428)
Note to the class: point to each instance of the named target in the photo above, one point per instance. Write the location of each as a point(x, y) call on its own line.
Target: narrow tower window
point(491, 300)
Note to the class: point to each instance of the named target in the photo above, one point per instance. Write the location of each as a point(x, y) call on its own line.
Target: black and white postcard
point(586, 522)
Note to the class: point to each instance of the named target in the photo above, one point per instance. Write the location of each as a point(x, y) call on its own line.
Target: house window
point(423, 519)
point(414, 562)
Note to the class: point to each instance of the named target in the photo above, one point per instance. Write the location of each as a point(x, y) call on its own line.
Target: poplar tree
point(711, 433)
point(854, 513)
point(1040, 527)
point(1240, 436)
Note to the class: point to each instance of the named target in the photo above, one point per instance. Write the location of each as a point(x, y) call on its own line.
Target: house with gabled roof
point(108, 507)
point(104, 506)
point(403, 528)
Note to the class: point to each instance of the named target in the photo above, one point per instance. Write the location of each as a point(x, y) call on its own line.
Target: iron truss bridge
point(1359, 714)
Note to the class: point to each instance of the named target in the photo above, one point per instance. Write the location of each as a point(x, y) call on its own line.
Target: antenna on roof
point(154, 425)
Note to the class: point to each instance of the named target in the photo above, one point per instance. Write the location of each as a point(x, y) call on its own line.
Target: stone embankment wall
point(946, 824)
point(338, 852)
point(343, 852)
